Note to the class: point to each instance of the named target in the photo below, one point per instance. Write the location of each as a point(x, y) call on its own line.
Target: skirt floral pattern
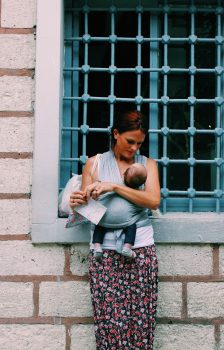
point(124, 297)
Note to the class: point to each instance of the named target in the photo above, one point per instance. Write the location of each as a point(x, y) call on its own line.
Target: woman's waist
point(144, 237)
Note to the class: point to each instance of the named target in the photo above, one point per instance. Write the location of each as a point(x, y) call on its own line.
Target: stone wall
point(44, 292)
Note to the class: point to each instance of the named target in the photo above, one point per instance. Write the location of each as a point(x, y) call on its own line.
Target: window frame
point(46, 225)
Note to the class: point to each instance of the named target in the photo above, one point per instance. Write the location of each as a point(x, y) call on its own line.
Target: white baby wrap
point(120, 212)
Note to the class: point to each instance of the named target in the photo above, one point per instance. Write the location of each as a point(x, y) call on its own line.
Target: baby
point(134, 177)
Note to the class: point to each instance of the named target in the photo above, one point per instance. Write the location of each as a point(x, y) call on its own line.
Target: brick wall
point(44, 293)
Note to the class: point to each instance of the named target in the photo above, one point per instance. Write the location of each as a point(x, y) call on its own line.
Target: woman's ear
point(115, 134)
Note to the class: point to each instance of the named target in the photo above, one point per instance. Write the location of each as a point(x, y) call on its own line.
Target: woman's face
point(127, 143)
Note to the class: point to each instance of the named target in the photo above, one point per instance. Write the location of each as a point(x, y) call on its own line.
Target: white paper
point(93, 211)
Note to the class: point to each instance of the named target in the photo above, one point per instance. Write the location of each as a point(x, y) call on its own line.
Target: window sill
point(169, 228)
point(189, 228)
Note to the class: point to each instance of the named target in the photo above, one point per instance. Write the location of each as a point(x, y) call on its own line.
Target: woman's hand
point(77, 198)
point(97, 188)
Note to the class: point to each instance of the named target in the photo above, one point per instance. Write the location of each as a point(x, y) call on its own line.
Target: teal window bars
point(165, 60)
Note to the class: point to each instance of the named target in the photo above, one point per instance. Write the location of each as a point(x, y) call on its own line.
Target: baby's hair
point(135, 176)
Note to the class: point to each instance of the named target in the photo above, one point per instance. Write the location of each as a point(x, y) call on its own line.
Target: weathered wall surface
point(44, 292)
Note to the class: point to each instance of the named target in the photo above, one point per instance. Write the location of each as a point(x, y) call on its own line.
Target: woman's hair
point(128, 121)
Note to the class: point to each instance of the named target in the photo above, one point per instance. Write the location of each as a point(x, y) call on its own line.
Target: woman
point(124, 291)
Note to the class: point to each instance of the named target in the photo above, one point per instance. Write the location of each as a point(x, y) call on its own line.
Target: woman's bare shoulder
point(90, 165)
point(151, 162)
point(91, 160)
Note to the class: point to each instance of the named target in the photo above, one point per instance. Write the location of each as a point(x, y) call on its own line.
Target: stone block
point(16, 134)
point(82, 337)
point(184, 259)
point(16, 299)
point(15, 175)
point(15, 216)
point(79, 259)
point(32, 337)
point(17, 51)
point(18, 13)
point(65, 299)
point(169, 299)
point(184, 337)
point(221, 259)
point(16, 93)
point(205, 299)
point(23, 258)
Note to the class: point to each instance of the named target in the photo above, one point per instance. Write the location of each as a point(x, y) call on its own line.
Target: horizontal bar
point(156, 10)
point(145, 39)
point(182, 131)
point(143, 100)
point(70, 159)
point(150, 131)
point(197, 193)
point(142, 70)
point(185, 161)
point(89, 129)
point(171, 161)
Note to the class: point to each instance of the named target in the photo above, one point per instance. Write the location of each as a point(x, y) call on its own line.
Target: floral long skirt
point(124, 297)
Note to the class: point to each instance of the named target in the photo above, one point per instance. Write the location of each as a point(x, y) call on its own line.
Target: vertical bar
point(85, 104)
point(153, 84)
point(192, 63)
point(112, 76)
point(65, 167)
point(222, 107)
point(218, 112)
point(139, 54)
point(165, 92)
point(75, 89)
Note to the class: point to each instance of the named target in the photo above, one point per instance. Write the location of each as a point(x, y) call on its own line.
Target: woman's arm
point(79, 197)
point(148, 198)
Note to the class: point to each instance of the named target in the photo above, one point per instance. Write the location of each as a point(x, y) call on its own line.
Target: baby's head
point(135, 175)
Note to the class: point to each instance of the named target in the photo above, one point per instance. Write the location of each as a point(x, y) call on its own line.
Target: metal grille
point(173, 118)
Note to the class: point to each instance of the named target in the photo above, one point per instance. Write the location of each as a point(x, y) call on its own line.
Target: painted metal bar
point(139, 55)
point(192, 63)
point(165, 93)
point(112, 75)
point(86, 77)
point(154, 10)
point(146, 39)
point(144, 70)
point(222, 108)
point(218, 111)
point(143, 100)
point(152, 131)
point(75, 88)
point(66, 119)
point(153, 86)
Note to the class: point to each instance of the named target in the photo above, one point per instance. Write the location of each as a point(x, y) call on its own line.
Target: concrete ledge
point(189, 228)
point(170, 228)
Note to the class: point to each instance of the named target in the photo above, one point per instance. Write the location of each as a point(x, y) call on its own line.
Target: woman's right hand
point(77, 198)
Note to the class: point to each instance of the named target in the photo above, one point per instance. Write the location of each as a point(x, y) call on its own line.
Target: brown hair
point(128, 121)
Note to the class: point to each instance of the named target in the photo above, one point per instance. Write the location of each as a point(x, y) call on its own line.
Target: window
point(167, 62)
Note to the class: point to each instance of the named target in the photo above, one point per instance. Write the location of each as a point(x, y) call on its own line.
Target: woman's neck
point(120, 157)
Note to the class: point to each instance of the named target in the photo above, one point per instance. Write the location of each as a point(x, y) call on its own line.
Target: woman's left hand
point(97, 188)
